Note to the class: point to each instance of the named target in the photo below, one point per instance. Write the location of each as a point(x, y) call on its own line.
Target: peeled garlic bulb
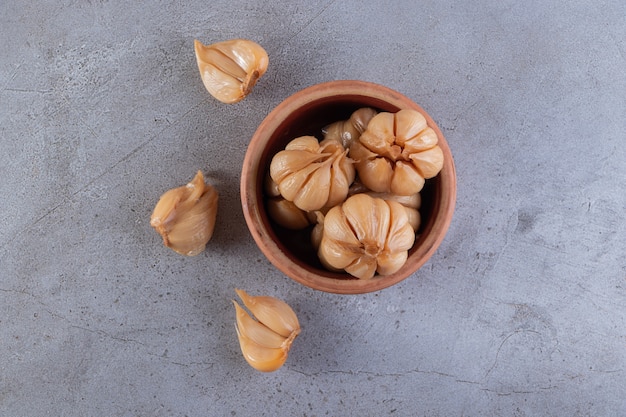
point(312, 174)
point(230, 69)
point(397, 153)
point(347, 131)
point(185, 216)
point(266, 340)
point(365, 236)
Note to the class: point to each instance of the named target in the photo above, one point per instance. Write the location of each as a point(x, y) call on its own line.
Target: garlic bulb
point(266, 340)
point(230, 69)
point(312, 174)
point(397, 153)
point(349, 130)
point(365, 236)
point(185, 216)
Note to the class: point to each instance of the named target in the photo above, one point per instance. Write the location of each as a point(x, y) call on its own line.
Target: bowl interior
point(292, 251)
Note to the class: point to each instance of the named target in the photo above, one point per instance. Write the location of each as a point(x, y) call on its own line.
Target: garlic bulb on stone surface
point(365, 236)
point(349, 130)
point(230, 69)
point(265, 340)
point(397, 153)
point(185, 216)
point(313, 174)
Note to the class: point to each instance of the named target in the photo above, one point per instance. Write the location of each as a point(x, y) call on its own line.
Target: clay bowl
point(306, 113)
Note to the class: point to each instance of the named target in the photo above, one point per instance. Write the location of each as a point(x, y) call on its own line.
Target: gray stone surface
point(521, 312)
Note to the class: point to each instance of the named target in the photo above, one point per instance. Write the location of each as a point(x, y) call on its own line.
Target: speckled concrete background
point(521, 312)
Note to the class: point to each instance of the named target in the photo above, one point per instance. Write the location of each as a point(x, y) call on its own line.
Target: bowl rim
point(249, 189)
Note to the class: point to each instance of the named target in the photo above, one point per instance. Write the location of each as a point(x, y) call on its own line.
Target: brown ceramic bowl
point(306, 113)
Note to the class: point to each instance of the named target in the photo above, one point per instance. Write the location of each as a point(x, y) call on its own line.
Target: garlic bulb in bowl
point(366, 235)
point(312, 174)
point(397, 152)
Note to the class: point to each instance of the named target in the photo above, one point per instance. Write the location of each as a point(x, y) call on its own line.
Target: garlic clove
point(414, 218)
point(257, 332)
point(361, 118)
point(185, 216)
point(314, 193)
point(363, 267)
point(400, 236)
point(347, 131)
point(379, 135)
point(337, 227)
point(428, 162)
point(272, 312)
point(374, 172)
point(370, 219)
point(261, 342)
point(337, 132)
point(390, 262)
point(287, 214)
point(308, 187)
point(288, 161)
point(411, 203)
point(318, 229)
point(303, 143)
point(260, 357)
point(230, 69)
point(408, 124)
point(425, 140)
point(405, 179)
point(336, 255)
point(342, 177)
